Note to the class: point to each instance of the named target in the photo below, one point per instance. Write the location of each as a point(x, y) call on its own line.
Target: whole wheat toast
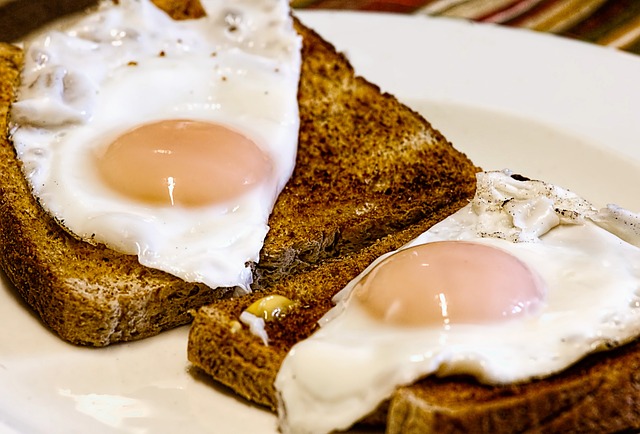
point(599, 394)
point(366, 166)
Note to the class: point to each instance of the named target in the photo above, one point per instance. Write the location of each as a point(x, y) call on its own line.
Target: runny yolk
point(184, 162)
point(448, 282)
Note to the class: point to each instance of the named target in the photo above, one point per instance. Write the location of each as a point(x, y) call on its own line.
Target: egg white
point(354, 362)
point(130, 64)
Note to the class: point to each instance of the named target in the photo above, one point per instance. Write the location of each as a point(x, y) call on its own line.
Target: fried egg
point(165, 139)
point(521, 283)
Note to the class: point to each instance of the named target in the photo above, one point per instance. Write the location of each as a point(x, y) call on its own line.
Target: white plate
point(544, 106)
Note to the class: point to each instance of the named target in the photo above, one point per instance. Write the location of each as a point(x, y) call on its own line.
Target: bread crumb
point(235, 326)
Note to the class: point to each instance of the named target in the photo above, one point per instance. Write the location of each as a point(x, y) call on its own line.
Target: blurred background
point(614, 23)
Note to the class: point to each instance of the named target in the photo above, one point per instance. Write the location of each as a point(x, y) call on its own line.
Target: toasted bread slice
point(599, 394)
point(366, 166)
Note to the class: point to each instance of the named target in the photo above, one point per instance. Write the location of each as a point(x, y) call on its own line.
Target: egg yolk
point(448, 282)
point(191, 163)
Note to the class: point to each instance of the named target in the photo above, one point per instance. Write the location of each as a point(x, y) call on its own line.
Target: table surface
point(614, 23)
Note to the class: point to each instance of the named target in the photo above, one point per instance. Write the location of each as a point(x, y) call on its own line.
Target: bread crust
point(599, 394)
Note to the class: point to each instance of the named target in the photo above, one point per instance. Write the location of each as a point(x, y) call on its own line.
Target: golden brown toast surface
point(367, 166)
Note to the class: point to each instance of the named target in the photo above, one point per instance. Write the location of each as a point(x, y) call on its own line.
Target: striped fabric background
point(614, 23)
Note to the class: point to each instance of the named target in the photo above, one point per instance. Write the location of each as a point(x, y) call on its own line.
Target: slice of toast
point(366, 166)
point(599, 394)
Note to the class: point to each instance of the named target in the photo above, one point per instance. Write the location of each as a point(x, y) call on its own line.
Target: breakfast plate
point(543, 106)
